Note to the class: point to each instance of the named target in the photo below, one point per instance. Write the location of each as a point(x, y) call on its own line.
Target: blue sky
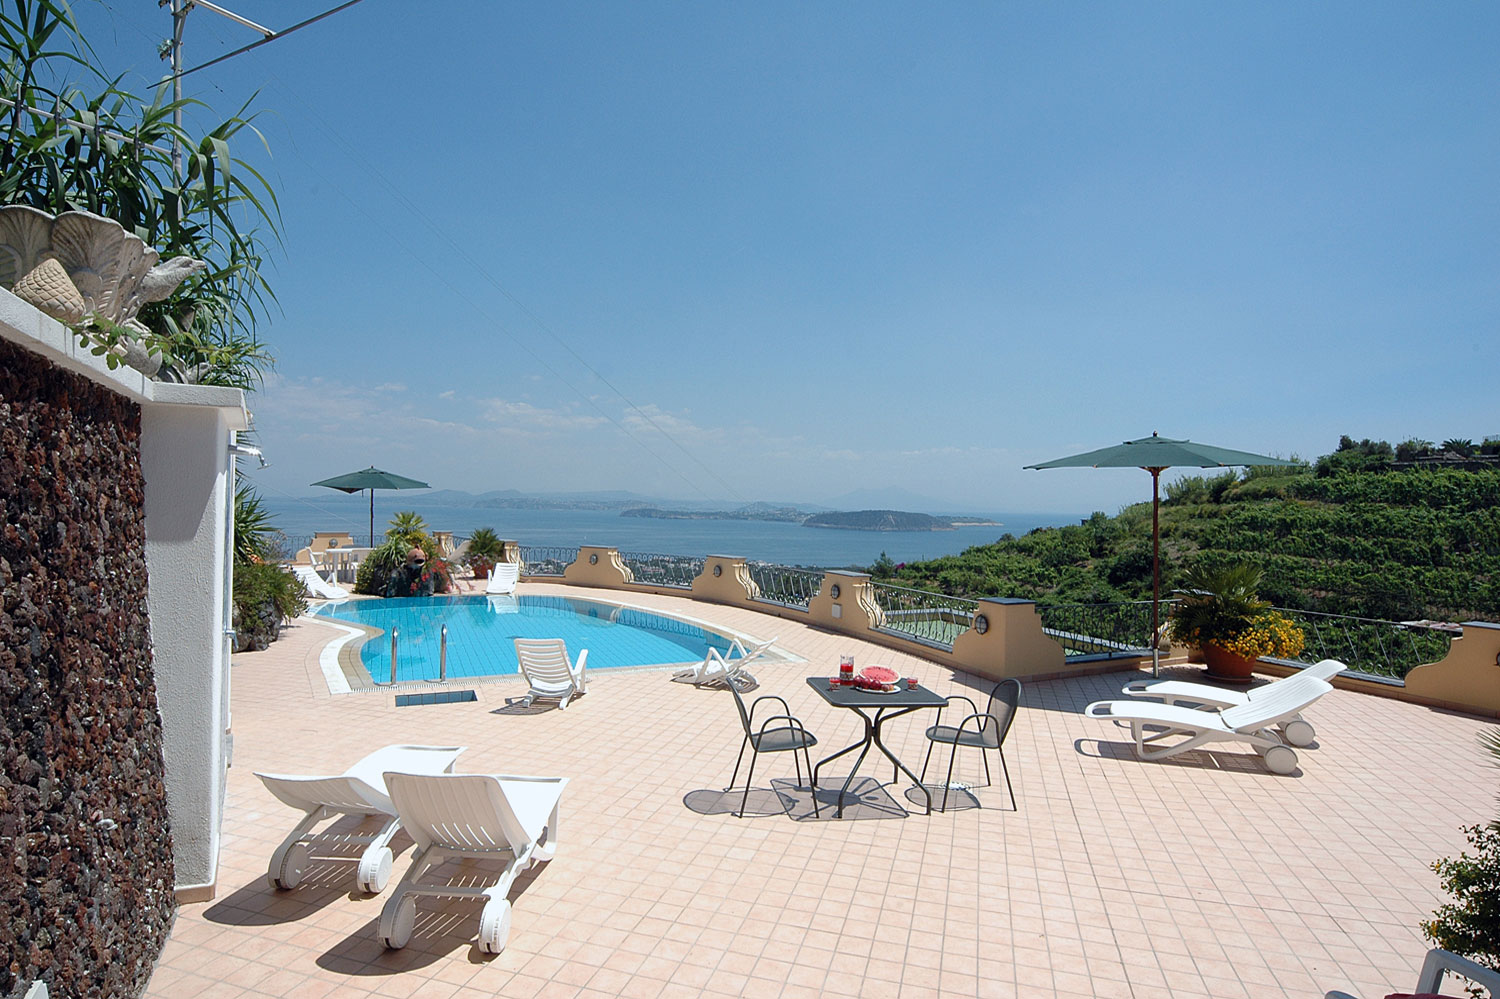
point(786, 251)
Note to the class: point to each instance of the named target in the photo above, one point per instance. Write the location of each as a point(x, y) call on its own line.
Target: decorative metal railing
point(656, 569)
point(935, 618)
point(546, 561)
point(1101, 630)
point(1366, 645)
point(785, 585)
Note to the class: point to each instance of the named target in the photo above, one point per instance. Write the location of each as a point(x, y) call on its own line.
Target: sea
point(758, 540)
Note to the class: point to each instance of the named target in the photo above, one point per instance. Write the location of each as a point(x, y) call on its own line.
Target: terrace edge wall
point(181, 458)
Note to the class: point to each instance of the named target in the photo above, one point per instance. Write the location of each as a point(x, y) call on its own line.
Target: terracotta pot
point(1225, 666)
point(482, 572)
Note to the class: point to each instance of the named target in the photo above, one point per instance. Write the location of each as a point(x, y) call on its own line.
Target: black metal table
point(886, 706)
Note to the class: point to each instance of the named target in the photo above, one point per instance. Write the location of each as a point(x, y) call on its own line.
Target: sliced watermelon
point(879, 674)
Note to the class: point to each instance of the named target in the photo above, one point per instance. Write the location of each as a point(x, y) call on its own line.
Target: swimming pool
point(480, 630)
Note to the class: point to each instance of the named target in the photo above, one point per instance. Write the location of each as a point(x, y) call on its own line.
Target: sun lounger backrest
point(460, 811)
point(1279, 701)
point(341, 794)
point(544, 659)
point(1325, 670)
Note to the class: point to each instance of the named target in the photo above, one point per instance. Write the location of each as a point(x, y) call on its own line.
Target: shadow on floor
point(442, 926)
point(762, 802)
point(961, 797)
point(1248, 762)
point(329, 878)
point(866, 799)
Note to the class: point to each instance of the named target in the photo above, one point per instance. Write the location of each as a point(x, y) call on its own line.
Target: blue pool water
point(480, 630)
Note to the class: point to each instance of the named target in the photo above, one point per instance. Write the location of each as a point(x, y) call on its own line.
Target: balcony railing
point(934, 618)
point(1101, 630)
point(1366, 645)
point(546, 561)
point(784, 585)
point(656, 569)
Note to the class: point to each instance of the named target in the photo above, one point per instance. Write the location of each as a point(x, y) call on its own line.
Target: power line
point(273, 36)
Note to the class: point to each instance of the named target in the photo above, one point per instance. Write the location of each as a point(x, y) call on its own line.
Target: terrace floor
point(1203, 877)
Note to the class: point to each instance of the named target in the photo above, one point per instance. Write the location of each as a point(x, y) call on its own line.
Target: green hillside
point(1371, 530)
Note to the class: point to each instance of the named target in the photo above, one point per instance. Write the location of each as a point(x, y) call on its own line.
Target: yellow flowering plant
point(1270, 634)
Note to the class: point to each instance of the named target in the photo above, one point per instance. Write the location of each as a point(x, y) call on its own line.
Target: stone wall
point(85, 854)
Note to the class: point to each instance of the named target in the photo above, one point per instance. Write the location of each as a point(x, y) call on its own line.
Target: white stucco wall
point(186, 431)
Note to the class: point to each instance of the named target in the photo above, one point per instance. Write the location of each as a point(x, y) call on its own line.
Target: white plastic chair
point(360, 790)
point(549, 672)
point(1254, 723)
point(317, 585)
point(480, 816)
point(1297, 730)
point(720, 668)
point(1438, 963)
point(503, 578)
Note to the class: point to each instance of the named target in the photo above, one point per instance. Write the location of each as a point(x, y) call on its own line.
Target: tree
point(106, 151)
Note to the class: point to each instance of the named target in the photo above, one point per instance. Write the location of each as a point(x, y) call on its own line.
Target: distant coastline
point(839, 520)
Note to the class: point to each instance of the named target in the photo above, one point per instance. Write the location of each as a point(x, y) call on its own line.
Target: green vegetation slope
point(1370, 530)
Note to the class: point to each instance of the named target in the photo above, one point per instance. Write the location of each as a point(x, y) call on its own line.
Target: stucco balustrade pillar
point(598, 567)
point(725, 579)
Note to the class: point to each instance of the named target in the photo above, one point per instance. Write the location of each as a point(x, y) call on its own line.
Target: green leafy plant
point(265, 597)
point(407, 523)
point(1217, 605)
point(107, 151)
point(1470, 924)
point(254, 536)
point(376, 569)
point(484, 542)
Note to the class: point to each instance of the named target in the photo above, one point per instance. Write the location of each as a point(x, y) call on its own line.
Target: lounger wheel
point(288, 865)
point(396, 922)
point(1281, 759)
point(1298, 732)
point(375, 870)
point(494, 925)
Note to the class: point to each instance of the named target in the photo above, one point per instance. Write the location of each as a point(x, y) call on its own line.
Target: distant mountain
point(754, 511)
point(881, 520)
point(891, 498)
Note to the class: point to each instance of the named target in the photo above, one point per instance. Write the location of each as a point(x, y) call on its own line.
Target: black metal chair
point(983, 731)
point(785, 738)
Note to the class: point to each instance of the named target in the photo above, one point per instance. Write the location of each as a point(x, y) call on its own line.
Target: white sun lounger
point(317, 585)
point(1436, 966)
point(482, 816)
point(549, 672)
point(1297, 731)
point(1254, 723)
point(360, 790)
point(720, 668)
point(503, 578)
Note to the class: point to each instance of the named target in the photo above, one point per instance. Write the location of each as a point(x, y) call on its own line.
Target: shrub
point(375, 571)
point(265, 597)
point(1470, 925)
point(485, 542)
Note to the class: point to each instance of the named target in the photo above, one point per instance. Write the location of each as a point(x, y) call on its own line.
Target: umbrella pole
point(1155, 574)
point(372, 518)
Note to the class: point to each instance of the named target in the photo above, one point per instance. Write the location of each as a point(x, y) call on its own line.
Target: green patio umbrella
point(372, 479)
point(1156, 454)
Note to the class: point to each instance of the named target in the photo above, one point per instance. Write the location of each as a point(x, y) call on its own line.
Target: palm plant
point(1217, 604)
point(254, 537)
point(485, 543)
point(407, 523)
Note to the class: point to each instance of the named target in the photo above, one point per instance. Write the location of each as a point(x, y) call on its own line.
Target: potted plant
point(484, 550)
point(1222, 616)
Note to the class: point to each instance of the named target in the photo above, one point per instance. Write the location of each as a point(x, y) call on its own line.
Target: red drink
point(911, 683)
point(846, 671)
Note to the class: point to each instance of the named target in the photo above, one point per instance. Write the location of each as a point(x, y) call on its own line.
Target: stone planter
point(1227, 667)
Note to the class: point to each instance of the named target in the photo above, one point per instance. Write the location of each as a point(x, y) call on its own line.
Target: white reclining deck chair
point(1297, 731)
point(360, 790)
point(718, 668)
point(1253, 723)
point(317, 585)
point(1438, 964)
point(503, 578)
point(548, 671)
point(483, 816)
